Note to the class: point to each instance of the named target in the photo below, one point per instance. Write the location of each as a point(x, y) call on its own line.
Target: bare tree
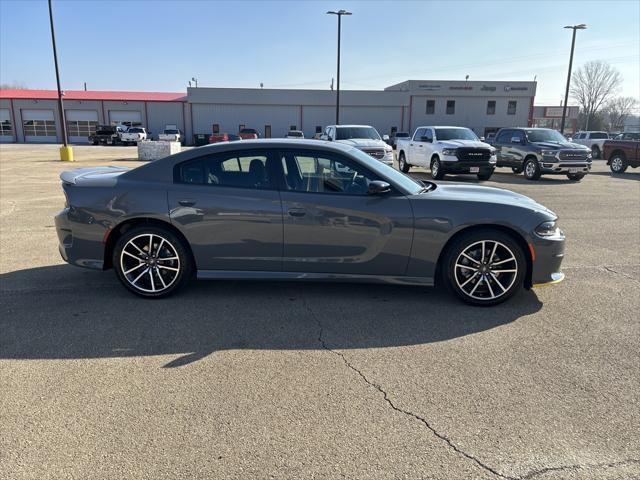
point(618, 109)
point(13, 86)
point(592, 85)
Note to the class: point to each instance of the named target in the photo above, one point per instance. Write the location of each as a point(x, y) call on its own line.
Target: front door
point(332, 224)
point(229, 210)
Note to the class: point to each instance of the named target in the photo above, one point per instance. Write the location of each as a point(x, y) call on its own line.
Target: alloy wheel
point(150, 263)
point(485, 270)
point(530, 169)
point(617, 164)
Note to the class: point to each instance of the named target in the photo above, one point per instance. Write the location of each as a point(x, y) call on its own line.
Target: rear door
point(228, 207)
point(332, 224)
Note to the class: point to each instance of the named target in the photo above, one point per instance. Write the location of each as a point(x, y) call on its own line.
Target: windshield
point(402, 135)
point(345, 133)
point(545, 135)
point(135, 130)
point(455, 134)
point(171, 132)
point(395, 176)
point(598, 135)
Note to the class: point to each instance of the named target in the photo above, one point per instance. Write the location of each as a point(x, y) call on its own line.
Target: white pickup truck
point(447, 150)
point(363, 137)
point(593, 140)
point(134, 135)
point(171, 135)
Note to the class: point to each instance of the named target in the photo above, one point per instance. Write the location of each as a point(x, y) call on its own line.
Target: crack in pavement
point(444, 438)
point(609, 269)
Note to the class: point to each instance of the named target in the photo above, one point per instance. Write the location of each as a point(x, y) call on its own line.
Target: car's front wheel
point(618, 164)
point(151, 262)
point(402, 163)
point(437, 172)
point(532, 169)
point(484, 267)
point(595, 152)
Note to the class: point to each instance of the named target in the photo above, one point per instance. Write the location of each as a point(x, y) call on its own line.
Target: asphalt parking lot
point(290, 381)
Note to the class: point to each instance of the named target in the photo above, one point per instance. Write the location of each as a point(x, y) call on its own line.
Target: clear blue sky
point(120, 45)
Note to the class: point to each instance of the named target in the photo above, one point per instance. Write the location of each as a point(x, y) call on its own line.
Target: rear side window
point(242, 169)
point(598, 135)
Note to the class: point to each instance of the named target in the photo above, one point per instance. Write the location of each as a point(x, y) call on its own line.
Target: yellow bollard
point(66, 154)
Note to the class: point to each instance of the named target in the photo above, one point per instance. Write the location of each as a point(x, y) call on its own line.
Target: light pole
point(582, 26)
point(339, 14)
point(66, 153)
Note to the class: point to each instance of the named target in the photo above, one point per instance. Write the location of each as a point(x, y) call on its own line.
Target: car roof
point(351, 126)
point(442, 126)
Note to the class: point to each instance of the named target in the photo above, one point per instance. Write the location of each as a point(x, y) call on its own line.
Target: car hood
point(463, 143)
point(559, 146)
point(478, 194)
point(363, 143)
point(93, 176)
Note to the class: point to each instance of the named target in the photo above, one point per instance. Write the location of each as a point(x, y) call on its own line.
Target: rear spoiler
point(71, 177)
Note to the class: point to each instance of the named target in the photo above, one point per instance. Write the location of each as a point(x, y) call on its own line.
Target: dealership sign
point(553, 112)
point(426, 86)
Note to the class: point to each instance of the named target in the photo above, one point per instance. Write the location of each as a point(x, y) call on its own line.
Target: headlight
point(449, 151)
point(547, 229)
point(493, 152)
point(589, 154)
point(549, 153)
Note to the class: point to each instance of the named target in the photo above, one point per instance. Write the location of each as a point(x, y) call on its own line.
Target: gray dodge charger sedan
point(302, 210)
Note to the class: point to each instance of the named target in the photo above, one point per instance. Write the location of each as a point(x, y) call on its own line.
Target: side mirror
point(426, 139)
point(378, 186)
point(515, 140)
point(385, 138)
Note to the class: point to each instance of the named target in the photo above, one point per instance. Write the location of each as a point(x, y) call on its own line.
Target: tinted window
point(431, 107)
point(598, 135)
point(511, 107)
point(322, 172)
point(545, 135)
point(402, 135)
point(345, 133)
point(135, 130)
point(234, 169)
point(504, 136)
point(455, 134)
point(491, 107)
point(428, 133)
point(418, 134)
point(517, 134)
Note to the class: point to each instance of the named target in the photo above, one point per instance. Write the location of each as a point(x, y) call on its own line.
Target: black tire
point(508, 283)
point(95, 142)
point(437, 172)
point(618, 163)
point(595, 152)
point(516, 170)
point(576, 177)
point(532, 169)
point(114, 142)
point(403, 166)
point(485, 175)
point(160, 272)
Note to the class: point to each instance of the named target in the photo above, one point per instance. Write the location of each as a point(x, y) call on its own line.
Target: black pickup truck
point(541, 151)
point(107, 134)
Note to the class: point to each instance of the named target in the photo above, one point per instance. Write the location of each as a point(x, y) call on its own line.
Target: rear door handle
point(187, 202)
point(297, 212)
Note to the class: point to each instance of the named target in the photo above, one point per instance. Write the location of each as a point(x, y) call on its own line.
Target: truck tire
point(437, 172)
point(618, 163)
point(485, 175)
point(595, 152)
point(402, 163)
point(532, 169)
point(576, 177)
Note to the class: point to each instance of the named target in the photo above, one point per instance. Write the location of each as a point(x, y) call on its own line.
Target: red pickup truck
point(621, 154)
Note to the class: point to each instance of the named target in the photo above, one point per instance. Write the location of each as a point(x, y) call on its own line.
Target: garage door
point(6, 126)
point(81, 124)
point(38, 125)
point(131, 118)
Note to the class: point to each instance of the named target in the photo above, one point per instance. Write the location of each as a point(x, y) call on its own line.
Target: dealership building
point(33, 116)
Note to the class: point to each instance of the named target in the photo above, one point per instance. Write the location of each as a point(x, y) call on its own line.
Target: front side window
point(511, 107)
point(431, 107)
point(39, 128)
point(504, 136)
point(491, 107)
point(428, 134)
point(243, 169)
point(419, 133)
point(451, 107)
point(322, 172)
point(517, 137)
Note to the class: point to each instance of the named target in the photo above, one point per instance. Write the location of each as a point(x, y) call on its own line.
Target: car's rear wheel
point(618, 164)
point(151, 262)
point(595, 152)
point(437, 172)
point(402, 163)
point(532, 169)
point(484, 267)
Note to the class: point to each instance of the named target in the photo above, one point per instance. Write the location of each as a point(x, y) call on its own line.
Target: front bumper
point(547, 255)
point(451, 163)
point(550, 167)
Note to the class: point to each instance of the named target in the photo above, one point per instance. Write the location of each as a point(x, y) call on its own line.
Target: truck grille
point(377, 153)
point(575, 155)
point(467, 154)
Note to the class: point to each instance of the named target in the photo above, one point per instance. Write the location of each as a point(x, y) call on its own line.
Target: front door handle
point(187, 202)
point(297, 212)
